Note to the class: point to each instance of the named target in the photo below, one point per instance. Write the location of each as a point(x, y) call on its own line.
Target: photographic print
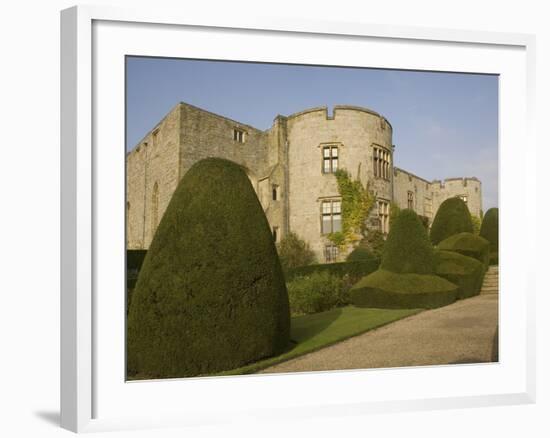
point(290, 218)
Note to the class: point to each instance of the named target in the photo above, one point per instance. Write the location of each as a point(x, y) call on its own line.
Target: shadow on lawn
point(316, 324)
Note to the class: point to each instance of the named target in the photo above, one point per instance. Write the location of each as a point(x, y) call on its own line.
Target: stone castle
point(291, 167)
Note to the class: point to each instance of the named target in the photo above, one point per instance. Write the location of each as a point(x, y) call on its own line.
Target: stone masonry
point(291, 167)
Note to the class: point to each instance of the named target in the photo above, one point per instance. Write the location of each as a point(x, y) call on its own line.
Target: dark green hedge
point(452, 217)
point(469, 245)
point(466, 272)
point(361, 254)
point(408, 249)
point(211, 294)
point(489, 228)
point(389, 290)
point(355, 270)
point(134, 258)
point(134, 261)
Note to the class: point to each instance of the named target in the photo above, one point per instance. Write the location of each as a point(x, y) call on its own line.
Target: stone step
point(490, 282)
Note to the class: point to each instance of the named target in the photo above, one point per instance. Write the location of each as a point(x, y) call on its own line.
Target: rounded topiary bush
point(489, 231)
point(466, 272)
point(388, 290)
point(405, 278)
point(408, 249)
point(469, 245)
point(211, 294)
point(452, 217)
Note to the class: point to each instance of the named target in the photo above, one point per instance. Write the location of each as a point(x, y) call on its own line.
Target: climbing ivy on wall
point(357, 202)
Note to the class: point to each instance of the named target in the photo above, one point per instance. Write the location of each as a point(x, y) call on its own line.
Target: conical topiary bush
point(452, 217)
point(211, 294)
point(405, 278)
point(408, 249)
point(489, 231)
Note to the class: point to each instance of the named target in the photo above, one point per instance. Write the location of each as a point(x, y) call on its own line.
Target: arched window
point(155, 208)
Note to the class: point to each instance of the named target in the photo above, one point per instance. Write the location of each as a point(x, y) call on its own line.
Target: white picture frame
point(94, 397)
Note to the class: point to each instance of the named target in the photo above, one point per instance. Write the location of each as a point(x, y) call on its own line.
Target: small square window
point(239, 135)
point(331, 253)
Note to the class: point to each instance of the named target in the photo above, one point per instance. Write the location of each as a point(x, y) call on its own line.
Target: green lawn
point(312, 332)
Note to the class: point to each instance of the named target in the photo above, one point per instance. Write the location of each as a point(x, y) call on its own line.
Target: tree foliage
point(295, 252)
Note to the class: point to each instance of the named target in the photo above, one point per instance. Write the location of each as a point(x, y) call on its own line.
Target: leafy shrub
point(466, 272)
point(371, 247)
point(408, 249)
point(211, 294)
point(469, 245)
point(489, 229)
point(389, 290)
point(352, 270)
point(452, 217)
point(294, 252)
point(316, 292)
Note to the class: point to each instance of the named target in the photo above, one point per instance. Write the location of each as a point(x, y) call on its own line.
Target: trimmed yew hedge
point(389, 290)
point(452, 217)
point(134, 261)
point(469, 245)
point(466, 272)
point(408, 249)
point(355, 270)
point(211, 295)
point(405, 278)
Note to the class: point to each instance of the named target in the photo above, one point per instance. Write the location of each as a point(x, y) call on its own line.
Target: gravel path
point(463, 332)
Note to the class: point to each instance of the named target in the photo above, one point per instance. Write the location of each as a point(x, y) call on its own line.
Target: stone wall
point(152, 176)
point(405, 183)
point(354, 131)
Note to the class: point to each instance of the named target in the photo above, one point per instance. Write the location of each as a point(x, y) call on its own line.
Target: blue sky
point(444, 124)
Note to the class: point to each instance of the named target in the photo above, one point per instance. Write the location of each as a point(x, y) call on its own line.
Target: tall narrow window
point(381, 163)
point(384, 216)
point(154, 208)
point(331, 216)
point(410, 200)
point(331, 253)
point(274, 192)
point(330, 159)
